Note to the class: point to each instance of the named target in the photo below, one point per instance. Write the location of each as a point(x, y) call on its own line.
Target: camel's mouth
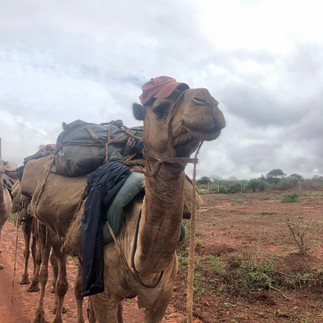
point(190, 139)
point(187, 148)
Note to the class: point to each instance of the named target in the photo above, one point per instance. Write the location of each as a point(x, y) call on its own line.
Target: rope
point(190, 274)
point(14, 274)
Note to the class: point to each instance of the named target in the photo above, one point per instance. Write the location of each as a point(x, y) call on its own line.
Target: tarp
point(81, 147)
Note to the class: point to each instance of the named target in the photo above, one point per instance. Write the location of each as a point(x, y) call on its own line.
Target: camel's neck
point(162, 214)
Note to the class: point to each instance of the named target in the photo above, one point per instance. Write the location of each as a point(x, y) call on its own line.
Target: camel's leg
point(90, 312)
point(156, 314)
point(45, 248)
point(61, 284)
point(106, 308)
point(53, 262)
point(120, 310)
point(26, 228)
point(77, 294)
point(36, 250)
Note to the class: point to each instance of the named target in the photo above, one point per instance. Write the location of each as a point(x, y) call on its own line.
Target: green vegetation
point(274, 180)
point(290, 198)
point(241, 275)
point(301, 233)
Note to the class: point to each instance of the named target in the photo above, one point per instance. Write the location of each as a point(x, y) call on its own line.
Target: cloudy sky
point(262, 60)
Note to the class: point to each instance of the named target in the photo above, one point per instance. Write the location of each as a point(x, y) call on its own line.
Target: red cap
point(160, 87)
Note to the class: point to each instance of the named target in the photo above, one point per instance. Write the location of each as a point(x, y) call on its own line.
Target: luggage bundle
point(82, 147)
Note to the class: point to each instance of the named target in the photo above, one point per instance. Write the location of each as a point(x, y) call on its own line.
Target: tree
point(297, 176)
point(203, 180)
point(274, 175)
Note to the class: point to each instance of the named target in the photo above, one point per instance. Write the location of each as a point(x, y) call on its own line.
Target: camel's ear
point(138, 111)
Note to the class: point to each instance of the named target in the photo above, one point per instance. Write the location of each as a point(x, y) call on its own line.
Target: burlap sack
point(32, 172)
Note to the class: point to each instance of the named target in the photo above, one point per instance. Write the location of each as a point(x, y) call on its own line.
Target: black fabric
point(103, 185)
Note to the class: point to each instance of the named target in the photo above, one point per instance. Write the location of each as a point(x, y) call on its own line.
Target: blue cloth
point(103, 185)
point(115, 214)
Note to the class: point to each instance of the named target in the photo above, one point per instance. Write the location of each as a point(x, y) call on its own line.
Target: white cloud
point(262, 60)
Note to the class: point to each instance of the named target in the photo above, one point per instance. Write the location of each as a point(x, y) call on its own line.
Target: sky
point(262, 60)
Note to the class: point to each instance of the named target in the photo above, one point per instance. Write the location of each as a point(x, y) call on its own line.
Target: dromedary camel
point(5, 198)
point(22, 192)
point(29, 227)
point(142, 261)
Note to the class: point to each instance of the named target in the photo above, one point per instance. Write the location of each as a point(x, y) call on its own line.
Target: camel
point(5, 198)
point(29, 228)
point(142, 261)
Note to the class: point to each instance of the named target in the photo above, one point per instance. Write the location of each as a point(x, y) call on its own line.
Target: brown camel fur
point(5, 198)
point(29, 225)
point(173, 130)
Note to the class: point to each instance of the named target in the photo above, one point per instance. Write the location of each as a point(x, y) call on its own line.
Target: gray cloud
point(78, 60)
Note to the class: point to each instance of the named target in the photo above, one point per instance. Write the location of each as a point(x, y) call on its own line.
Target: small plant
point(268, 212)
point(217, 266)
point(300, 233)
point(290, 198)
point(253, 276)
point(198, 280)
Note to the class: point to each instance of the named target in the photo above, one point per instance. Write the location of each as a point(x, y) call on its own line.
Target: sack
point(44, 150)
point(32, 172)
point(81, 147)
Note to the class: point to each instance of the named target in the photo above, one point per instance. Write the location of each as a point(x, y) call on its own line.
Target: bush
point(286, 184)
point(257, 185)
point(234, 188)
point(300, 233)
point(290, 198)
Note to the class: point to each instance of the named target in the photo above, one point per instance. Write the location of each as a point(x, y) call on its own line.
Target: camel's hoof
point(24, 280)
point(33, 289)
point(58, 321)
point(40, 317)
point(64, 310)
point(53, 290)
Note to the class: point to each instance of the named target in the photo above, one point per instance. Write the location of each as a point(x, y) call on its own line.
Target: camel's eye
point(161, 110)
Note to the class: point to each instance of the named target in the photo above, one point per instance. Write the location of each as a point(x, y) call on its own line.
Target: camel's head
point(177, 118)
point(3, 165)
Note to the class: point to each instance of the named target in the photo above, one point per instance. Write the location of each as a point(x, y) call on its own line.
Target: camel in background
point(142, 261)
point(5, 197)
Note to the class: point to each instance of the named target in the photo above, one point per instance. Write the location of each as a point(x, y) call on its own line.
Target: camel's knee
point(61, 286)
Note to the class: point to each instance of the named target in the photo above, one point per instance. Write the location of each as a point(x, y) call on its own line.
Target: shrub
point(290, 198)
point(300, 233)
point(253, 276)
